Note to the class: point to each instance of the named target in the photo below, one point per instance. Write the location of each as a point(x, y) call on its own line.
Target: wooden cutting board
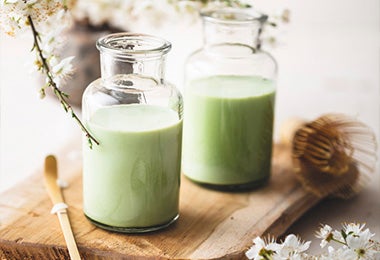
point(212, 225)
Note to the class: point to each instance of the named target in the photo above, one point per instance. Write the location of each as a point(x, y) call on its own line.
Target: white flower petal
point(303, 246)
point(342, 253)
point(12, 1)
point(323, 243)
point(325, 233)
point(63, 66)
point(252, 253)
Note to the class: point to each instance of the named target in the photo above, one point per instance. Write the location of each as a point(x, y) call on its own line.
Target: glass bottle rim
point(133, 45)
point(233, 16)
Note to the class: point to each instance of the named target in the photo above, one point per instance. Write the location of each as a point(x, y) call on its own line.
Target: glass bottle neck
point(232, 26)
point(128, 59)
point(112, 66)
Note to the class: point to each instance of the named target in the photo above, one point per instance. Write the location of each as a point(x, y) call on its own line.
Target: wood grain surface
point(212, 224)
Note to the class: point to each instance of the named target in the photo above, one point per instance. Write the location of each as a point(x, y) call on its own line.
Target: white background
point(329, 62)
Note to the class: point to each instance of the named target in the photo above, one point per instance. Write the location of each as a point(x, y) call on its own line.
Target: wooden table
point(212, 224)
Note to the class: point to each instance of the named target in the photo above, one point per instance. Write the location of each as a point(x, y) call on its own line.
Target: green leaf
point(344, 235)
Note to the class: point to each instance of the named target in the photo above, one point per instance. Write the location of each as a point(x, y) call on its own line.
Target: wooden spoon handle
point(68, 234)
point(55, 193)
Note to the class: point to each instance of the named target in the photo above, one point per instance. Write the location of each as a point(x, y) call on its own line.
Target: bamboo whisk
point(332, 155)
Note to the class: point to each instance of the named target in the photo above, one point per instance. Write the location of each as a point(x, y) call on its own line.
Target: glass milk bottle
point(229, 104)
point(131, 179)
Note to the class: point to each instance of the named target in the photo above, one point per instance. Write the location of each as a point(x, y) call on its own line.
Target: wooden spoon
point(54, 191)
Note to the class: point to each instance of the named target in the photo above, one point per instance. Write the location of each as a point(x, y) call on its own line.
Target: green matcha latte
point(132, 178)
point(228, 122)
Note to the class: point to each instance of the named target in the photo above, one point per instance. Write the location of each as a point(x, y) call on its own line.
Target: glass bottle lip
point(233, 16)
point(133, 45)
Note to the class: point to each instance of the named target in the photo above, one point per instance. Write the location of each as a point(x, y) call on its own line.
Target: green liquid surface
point(228, 124)
point(132, 178)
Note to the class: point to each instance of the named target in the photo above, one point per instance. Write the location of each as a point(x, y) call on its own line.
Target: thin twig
point(58, 93)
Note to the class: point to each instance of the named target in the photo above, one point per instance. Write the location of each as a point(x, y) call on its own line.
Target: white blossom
point(14, 13)
point(353, 228)
point(361, 243)
point(62, 70)
point(129, 14)
point(293, 248)
point(49, 18)
point(325, 233)
point(339, 254)
point(99, 12)
point(12, 16)
point(261, 247)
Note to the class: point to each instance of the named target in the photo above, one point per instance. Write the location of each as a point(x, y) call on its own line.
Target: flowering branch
point(355, 243)
point(62, 97)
